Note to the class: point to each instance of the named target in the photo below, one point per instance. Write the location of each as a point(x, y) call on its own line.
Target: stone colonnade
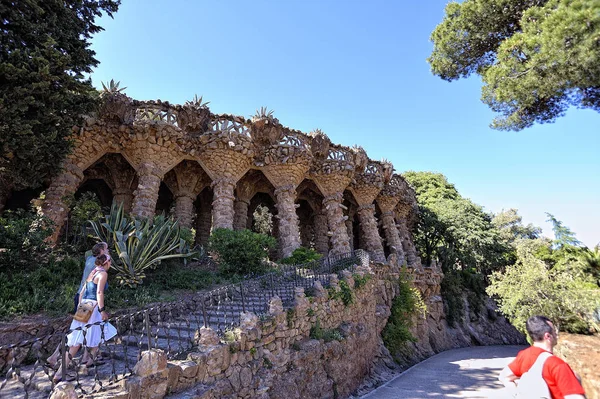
point(193, 152)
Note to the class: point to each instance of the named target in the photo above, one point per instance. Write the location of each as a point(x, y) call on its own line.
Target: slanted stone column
point(391, 235)
point(222, 211)
point(407, 244)
point(369, 231)
point(64, 184)
point(340, 242)
point(123, 195)
point(321, 233)
point(146, 194)
point(240, 220)
point(184, 209)
point(289, 231)
point(350, 230)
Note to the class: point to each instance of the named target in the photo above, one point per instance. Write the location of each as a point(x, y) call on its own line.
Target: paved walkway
point(457, 373)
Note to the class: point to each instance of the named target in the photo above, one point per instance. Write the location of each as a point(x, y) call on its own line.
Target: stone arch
point(118, 174)
point(252, 183)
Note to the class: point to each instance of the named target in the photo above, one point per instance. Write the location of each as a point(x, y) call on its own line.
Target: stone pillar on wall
point(408, 246)
point(222, 211)
point(321, 233)
point(340, 242)
point(62, 185)
point(289, 230)
point(146, 194)
point(184, 209)
point(350, 230)
point(123, 195)
point(391, 235)
point(370, 232)
point(240, 220)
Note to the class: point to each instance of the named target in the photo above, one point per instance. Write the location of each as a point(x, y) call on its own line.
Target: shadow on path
point(457, 373)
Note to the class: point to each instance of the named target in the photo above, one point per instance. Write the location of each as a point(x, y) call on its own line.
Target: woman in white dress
point(96, 330)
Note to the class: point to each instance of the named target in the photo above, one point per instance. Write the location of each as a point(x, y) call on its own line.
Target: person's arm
point(100, 294)
point(507, 377)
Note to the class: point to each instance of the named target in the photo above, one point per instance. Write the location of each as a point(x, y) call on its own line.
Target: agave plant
point(197, 102)
point(115, 221)
point(112, 87)
point(139, 243)
point(263, 113)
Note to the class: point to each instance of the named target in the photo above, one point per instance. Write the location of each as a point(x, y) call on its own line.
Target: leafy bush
point(301, 255)
point(405, 305)
point(240, 252)
point(22, 236)
point(48, 287)
point(140, 243)
point(328, 335)
point(87, 207)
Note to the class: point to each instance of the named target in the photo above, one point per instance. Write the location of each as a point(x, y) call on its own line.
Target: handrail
point(168, 326)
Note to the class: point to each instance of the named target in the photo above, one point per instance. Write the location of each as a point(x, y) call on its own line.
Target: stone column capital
point(149, 169)
point(365, 207)
point(291, 188)
point(336, 197)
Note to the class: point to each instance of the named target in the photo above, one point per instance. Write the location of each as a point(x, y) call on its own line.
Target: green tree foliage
point(535, 57)
point(562, 291)
point(240, 252)
point(22, 240)
point(453, 229)
point(44, 56)
point(510, 226)
point(563, 236)
point(262, 220)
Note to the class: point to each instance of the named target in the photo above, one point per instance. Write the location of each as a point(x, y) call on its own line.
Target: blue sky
point(357, 70)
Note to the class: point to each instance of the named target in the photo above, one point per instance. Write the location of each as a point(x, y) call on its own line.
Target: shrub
point(345, 293)
point(240, 252)
point(22, 236)
point(405, 305)
point(360, 281)
point(302, 255)
point(49, 287)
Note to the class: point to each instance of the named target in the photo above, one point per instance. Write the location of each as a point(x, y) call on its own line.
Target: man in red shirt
point(559, 376)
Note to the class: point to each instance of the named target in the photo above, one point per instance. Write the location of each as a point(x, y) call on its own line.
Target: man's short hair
point(537, 327)
point(98, 248)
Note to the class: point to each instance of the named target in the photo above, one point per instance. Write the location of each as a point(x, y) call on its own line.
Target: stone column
point(391, 235)
point(321, 236)
point(223, 203)
point(184, 209)
point(350, 230)
point(240, 220)
point(125, 196)
point(337, 223)
point(408, 246)
point(369, 231)
point(62, 185)
point(289, 231)
point(146, 194)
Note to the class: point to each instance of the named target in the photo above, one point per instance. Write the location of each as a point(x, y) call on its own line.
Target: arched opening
point(309, 193)
point(22, 199)
point(203, 220)
point(166, 201)
point(97, 188)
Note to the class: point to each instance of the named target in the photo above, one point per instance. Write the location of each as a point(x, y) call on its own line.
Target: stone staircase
point(170, 327)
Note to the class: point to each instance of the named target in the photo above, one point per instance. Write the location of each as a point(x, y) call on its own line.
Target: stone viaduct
point(214, 170)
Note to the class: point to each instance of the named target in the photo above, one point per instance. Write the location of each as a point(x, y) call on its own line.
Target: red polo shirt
point(557, 373)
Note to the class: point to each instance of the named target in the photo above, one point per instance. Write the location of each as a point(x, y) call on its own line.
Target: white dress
point(93, 335)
